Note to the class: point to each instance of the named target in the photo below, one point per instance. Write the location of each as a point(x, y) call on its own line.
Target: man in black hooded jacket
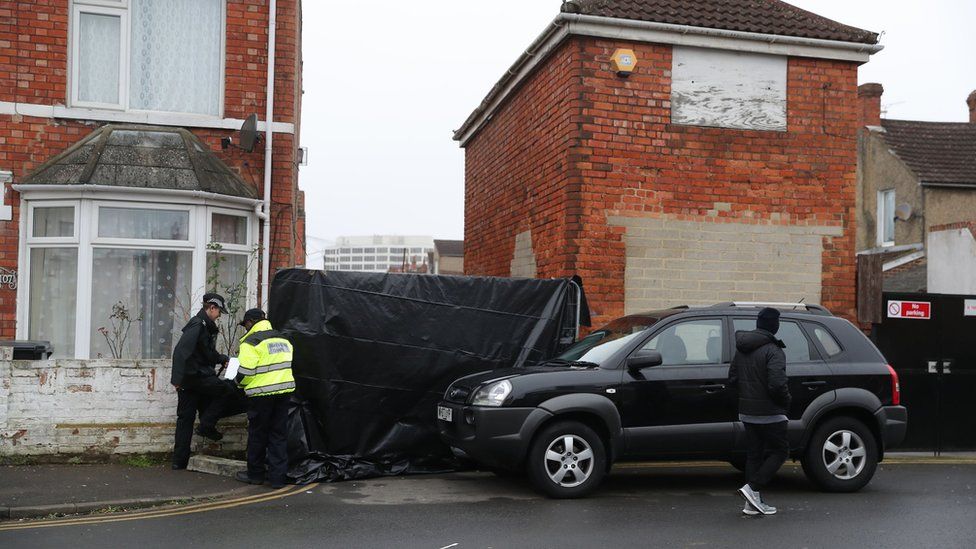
point(195, 378)
point(758, 372)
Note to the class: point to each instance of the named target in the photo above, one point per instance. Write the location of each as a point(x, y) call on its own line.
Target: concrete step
point(216, 465)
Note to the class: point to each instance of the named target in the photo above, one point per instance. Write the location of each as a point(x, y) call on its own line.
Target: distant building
point(448, 257)
point(917, 198)
point(378, 253)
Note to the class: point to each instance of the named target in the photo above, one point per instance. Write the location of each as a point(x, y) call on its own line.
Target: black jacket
point(196, 353)
point(758, 372)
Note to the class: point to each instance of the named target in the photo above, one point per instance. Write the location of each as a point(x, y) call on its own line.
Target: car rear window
point(830, 345)
point(797, 345)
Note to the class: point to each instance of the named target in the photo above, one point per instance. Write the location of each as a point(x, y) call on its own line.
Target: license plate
point(445, 414)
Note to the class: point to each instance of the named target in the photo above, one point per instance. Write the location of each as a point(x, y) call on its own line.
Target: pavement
point(909, 503)
point(28, 491)
point(33, 491)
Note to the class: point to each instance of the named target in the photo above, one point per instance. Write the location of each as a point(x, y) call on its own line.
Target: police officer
point(196, 381)
point(265, 374)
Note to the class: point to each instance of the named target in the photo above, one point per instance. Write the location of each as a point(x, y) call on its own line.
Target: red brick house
point(116, 187)
point(722, 168)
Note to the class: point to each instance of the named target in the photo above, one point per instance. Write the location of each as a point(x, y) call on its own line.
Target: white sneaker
point(767, 509)
point(748, 510)
point(752, 498)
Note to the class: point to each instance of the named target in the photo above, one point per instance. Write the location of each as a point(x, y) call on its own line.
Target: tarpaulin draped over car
point(374, 353)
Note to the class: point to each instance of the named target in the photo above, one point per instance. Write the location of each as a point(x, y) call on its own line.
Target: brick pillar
point(971, 101)
point(869, 108)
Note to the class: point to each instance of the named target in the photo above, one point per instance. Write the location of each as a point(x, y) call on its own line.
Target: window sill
point(140, 117)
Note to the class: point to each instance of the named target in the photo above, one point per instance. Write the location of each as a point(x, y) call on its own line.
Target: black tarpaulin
point(375, 352)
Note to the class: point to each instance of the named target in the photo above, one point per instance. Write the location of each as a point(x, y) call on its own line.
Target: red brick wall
point(34, 51)
point(33, 69)
point(518, 176)
point(627, 159)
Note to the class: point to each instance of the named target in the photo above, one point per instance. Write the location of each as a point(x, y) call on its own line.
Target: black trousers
point(767, 449)
point(211, 397)
point(267, 437)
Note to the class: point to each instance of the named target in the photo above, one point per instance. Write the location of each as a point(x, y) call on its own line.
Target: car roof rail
point(809, 307)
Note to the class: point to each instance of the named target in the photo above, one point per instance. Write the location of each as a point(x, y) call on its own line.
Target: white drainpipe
point(268, 135)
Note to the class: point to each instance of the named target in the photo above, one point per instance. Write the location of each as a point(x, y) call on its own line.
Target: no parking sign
point(919, 310)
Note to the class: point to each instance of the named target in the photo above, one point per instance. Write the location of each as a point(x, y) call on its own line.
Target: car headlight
point(493, 394)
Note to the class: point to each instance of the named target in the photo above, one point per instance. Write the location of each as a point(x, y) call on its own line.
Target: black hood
point(748, 342)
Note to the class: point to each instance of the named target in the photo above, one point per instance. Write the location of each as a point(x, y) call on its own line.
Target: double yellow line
point(161, 513)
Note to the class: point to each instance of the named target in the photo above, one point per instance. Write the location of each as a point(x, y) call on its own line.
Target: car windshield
point(603, 343)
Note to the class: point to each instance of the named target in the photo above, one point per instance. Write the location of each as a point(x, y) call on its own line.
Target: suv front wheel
point(567, 460)
point(842, 455)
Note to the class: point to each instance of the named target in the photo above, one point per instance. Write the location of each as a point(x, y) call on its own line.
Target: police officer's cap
point(215, 299)
point(253, 315)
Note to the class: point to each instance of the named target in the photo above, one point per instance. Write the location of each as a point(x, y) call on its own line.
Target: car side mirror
point(644, 359)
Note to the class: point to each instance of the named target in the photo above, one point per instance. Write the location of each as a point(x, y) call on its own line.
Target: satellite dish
point(903, 212)
point(249, 133)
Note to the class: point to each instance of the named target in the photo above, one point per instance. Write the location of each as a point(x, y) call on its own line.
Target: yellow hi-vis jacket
point(265, 358)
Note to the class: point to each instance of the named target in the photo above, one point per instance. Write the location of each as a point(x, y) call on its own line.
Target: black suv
point(653, 387)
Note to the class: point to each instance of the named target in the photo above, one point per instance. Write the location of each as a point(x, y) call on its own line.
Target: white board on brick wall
point(728, 89)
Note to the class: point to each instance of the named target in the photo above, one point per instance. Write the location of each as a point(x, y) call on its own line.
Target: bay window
point(119, 279)
point(148, 55)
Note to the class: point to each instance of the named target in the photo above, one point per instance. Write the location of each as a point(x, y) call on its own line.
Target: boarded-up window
point(728, 89)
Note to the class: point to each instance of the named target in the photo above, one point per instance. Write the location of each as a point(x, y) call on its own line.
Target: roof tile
point(939, 153)
point(759, 16)
point(142, 156)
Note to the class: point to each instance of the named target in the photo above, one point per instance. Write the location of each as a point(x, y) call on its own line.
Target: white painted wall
point(96, 407)
point(728, 89)
point(952, 262)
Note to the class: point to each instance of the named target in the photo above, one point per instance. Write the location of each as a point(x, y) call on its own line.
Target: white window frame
point(882, 241)
point(226, 246)
point(86, 240)
point(121, 7)
point(119, 242)
point(100, 9)
point(53, 241)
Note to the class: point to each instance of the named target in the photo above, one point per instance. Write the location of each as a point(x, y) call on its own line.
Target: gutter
point(100, 189)
point(949, 185)
point(566, 24)
point(268, 136)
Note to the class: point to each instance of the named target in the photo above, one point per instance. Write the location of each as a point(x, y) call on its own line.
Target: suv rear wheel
point(842, 455)
point(567, 460)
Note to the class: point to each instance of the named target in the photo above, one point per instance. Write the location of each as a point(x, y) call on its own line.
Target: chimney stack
point(971, 101)
point(869, 100)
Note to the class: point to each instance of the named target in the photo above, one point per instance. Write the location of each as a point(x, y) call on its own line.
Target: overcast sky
point(386, 83)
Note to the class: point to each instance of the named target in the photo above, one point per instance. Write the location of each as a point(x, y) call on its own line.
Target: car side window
point(830, 345)
point(689, 342)
point(797, 345)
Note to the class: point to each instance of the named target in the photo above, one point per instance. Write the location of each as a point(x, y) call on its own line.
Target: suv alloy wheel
point(567, 460)
point(842, 455)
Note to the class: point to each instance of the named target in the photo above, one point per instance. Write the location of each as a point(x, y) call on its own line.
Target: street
point(908, 504)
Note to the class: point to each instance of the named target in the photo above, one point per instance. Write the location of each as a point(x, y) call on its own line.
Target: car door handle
point(814, 384)
point(712, 388)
